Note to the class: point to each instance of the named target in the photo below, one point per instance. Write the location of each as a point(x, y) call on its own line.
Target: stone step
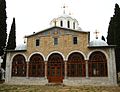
point(54, 84)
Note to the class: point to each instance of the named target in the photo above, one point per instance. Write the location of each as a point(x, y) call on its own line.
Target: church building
point(62, 54)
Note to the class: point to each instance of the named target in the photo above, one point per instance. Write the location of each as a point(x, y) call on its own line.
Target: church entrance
point(55, 68)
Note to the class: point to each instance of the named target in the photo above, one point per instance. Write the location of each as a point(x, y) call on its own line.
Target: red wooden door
point(55, 69)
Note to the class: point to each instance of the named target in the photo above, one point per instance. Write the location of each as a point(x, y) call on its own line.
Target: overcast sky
point(35, 15)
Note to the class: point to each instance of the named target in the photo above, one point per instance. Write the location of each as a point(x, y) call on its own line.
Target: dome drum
point(65, 21)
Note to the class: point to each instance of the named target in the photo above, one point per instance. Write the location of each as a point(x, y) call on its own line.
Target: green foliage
point(12, 37)
point(3, 26)
point(113, 37)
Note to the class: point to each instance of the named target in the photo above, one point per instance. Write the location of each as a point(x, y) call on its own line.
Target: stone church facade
point(63, 54)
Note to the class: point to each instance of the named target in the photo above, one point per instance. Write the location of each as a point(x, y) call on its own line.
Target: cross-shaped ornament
point(96, 33)
point(64, 7)
point(55, 22)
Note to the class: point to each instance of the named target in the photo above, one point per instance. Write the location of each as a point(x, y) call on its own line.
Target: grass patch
point(38, 88)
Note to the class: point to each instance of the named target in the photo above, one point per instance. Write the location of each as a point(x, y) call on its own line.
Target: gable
point(57, 31)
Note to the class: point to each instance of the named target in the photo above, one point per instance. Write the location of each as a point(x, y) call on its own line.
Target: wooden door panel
point(55, 75)
point(55, 69)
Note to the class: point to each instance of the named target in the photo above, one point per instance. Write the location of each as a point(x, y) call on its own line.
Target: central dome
point(65, 21)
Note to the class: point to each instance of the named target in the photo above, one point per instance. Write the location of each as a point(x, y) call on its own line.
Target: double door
point(55, 74)
point(55, 68)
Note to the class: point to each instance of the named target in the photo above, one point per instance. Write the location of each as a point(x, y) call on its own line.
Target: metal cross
point(64, 7)
point(96, 33)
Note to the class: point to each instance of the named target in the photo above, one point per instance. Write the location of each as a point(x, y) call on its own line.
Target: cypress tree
point(3, 26)
point(113, 37)
point(12, 37)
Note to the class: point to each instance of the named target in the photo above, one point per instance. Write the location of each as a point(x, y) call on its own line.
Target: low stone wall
point(27, 81)
point(75, 81)
point(98, 81)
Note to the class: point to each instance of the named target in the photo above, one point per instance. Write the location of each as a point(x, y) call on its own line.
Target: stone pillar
point(112, 66)
point(65, 69)
point(45, 69)
point(86, 63)
point(27, 69)
point(8, 68)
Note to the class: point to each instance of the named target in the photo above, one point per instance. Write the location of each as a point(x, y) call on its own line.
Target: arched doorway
point(36, 66)
point(55, 68)
point(76, 65)
point(19, 66)
point(97, 65)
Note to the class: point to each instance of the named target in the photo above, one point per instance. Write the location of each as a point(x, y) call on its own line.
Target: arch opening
point(36, 66)
point(97, 65)
point(55, 67)
point(19, 66)
point(76, 65)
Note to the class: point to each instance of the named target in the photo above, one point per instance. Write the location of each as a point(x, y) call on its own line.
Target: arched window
point(68, 24)
point(73, 25)
point(97, 65)
point(76, 65)
point(61, 23)
point(19, 66)
point(36, 66)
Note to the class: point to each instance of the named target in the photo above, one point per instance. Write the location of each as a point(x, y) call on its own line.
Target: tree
point(12, 37)
point(3, 26)
point(113, 37)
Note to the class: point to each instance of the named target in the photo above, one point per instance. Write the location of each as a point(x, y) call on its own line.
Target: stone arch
point(18, 54)
point(76, 65)
point(36, 53)
point(53, 53)
point(55, 67)
point(99, 51)
point(19, 66)
point(36, 66)
point(74, 52)
point(97, 64)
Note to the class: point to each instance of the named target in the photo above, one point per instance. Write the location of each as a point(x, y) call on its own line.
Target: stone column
point(86, 63)
point(8, 68)
point(65, 69)
point(112, 67)
point(45, 69)
point(27, 69)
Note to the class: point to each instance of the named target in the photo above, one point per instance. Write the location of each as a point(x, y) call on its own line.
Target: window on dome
point(61, 23)
point(68, 24)
point(73, 25)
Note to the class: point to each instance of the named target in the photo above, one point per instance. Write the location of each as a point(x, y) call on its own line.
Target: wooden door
point(55, 69)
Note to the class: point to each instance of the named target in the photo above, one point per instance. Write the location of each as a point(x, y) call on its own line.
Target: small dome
point(65, 21)
point(98, 42)
point(21, 47)
point(65, 16)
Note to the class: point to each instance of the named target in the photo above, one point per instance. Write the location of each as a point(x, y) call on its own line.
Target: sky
point(36, 15)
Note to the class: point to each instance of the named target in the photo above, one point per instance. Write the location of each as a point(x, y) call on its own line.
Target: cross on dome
point(55, 22)
point(64, 9)
point(65, 20)
point(96, 33)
